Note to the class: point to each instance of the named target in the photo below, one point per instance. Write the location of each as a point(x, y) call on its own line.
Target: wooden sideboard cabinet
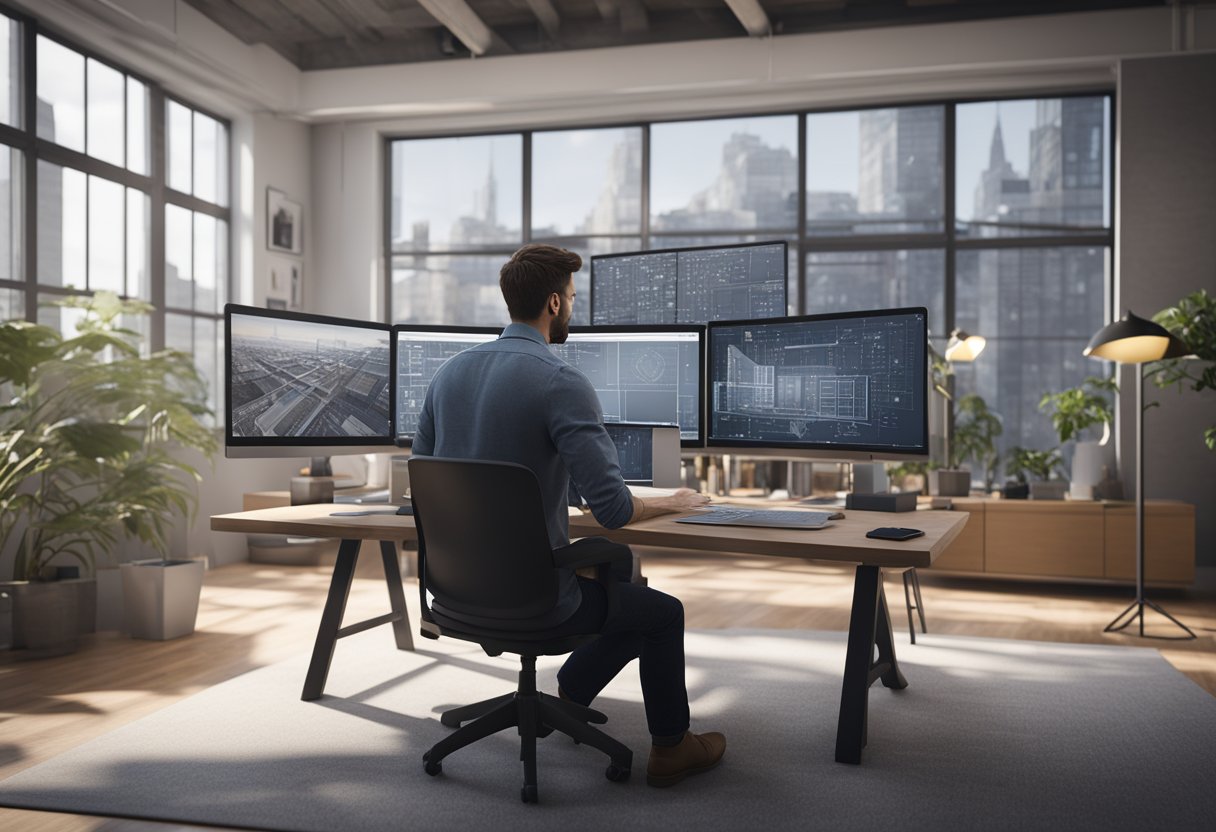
point(1073, 539)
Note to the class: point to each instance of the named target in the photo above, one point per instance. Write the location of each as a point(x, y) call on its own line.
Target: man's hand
point(682, 499)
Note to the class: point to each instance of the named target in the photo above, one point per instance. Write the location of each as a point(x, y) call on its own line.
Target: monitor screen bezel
point(250, 447)
point(702, 369)
point(851, 452)
point(785, 264)
point(408, 442)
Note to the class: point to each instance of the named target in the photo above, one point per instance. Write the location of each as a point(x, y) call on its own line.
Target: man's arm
point(576, 427)
point(424, 437)
point(683, 499)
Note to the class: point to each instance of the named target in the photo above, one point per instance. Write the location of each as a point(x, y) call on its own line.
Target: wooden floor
point(251, 616)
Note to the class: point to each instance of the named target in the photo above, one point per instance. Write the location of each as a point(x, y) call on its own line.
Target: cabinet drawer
point(1063, 540)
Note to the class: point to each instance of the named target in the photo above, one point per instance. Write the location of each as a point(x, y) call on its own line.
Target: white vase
point(1088, 466)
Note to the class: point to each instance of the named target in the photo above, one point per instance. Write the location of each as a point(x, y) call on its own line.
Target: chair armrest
point(613, 562)
point(592, 551)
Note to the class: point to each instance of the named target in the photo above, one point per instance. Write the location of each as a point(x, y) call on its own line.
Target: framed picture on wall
point(284, 223)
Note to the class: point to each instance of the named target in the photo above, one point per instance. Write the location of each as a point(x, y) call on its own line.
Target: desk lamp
point(963, 346)
point(1134, 340)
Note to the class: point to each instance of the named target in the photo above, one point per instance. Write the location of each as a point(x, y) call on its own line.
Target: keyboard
point(764, 517)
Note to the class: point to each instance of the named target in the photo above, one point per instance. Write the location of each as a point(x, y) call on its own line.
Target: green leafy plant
point(1193, 321)
point(976, 429)
point(88, 434)
point(1038, 464)
point(899, 472)
point(1073, 410)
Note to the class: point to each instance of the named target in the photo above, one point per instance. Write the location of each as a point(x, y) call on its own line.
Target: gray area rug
point(990, 734)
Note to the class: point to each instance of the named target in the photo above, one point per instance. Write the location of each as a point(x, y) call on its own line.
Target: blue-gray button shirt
point(514, 400)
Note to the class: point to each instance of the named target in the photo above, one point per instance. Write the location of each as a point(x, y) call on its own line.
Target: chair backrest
point(482, 533)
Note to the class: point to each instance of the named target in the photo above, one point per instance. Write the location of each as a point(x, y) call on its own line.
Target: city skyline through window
point(878, 228)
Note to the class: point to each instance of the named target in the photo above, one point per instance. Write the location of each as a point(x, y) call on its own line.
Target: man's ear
point(555, 303)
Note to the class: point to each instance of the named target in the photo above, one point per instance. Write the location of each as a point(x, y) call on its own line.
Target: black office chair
point(484, 555)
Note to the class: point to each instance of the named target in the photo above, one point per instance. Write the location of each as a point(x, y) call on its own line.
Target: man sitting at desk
point(514, 400)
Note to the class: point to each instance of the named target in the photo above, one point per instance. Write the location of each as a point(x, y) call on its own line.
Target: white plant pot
point(951, 482)
point(1048, 489)
point(161, 598)
point(1088, 466)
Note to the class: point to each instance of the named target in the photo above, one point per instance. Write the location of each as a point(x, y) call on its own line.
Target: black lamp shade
point(1134, 340)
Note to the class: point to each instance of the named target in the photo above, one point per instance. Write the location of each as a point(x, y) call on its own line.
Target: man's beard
point(559, 330)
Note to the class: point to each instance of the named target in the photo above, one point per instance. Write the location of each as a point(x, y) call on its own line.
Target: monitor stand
point(319, 467)
point(871, 490)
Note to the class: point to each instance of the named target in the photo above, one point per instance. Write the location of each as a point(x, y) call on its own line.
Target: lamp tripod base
point(1123, 620)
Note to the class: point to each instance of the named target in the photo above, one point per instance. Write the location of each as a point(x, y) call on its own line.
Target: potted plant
point(1075, 410)
point(1193, 322)
point(1039, 466)
point(88, 435)
point(976, 429)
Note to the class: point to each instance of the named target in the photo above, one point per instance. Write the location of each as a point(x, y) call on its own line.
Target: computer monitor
point(690, 285)
point(644, 374)
point(850, 386)
point(420, 351)
point(648, 454)
point(305, 385)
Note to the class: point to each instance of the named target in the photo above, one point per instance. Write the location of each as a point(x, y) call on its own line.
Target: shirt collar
point(518, 330)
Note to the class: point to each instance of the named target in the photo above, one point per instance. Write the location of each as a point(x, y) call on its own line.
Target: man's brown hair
point(534, 273)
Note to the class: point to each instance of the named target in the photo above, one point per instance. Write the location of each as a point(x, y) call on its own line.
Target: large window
point(995, 215)
point(76, 132)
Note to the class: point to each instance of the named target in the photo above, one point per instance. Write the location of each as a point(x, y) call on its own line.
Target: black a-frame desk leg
point(869, 625)
point(331, 629)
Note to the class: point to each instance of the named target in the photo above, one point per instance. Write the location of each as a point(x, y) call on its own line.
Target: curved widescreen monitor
point(689, 285)
point(644, 374)
point(420, 351)
point(847, 386)
point(305, 385)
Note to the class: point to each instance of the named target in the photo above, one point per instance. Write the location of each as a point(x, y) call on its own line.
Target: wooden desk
point(844, 541)
point(315, 520)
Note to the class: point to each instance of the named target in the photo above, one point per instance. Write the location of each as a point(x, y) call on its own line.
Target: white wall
point(1166, 249)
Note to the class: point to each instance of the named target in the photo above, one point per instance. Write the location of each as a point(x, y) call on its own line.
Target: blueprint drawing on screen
point(649, 378)
point(693, 286)
point(634, 451)
point(306, 379)
point(850, 381)
point(419, 357)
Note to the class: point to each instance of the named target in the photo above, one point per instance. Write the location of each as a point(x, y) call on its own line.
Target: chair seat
point(523, 643)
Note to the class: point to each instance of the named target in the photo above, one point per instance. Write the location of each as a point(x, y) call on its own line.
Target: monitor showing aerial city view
point(306, 380)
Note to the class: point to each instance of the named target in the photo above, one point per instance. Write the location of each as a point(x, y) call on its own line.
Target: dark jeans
point(647, 625)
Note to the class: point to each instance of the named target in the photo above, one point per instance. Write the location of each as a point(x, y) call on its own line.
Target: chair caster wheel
point(616, 774)
point(431, 768)
point(528, 794)
point(450, 722)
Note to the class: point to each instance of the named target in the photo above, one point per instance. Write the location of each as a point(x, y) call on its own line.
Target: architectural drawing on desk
point(831, 381)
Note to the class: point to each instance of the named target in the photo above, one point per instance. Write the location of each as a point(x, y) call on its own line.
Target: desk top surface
point(842, 540)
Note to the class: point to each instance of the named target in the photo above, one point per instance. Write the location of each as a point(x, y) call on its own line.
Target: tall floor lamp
point(1135, 340)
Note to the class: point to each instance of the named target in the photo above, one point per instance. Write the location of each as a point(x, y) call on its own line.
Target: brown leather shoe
point(694, 754)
